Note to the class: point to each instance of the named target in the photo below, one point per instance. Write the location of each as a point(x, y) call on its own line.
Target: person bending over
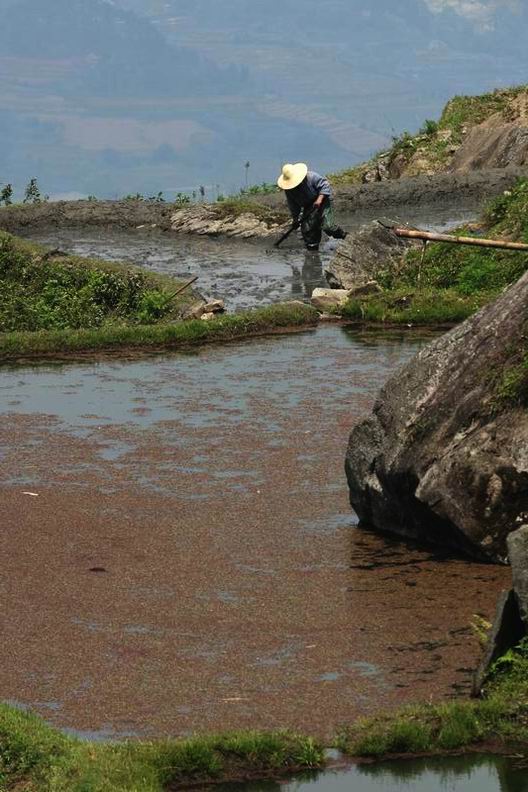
point(309, 198)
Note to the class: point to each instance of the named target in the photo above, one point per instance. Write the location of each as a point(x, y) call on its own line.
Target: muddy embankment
point(442, 191)
point(448, 191)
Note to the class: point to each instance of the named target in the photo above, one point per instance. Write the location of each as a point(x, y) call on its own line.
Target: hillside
point(473, 132)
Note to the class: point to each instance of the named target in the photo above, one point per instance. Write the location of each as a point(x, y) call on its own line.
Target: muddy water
point(446, 774)
point(178, 552)
point(243, 274)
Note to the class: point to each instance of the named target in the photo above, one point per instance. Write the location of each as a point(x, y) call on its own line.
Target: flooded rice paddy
point(179, 554)
point(245, 275)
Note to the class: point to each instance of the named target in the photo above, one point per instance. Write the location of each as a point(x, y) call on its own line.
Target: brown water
point(179, 555)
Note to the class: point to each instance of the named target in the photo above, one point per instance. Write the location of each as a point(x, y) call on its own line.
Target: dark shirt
point(305, 194)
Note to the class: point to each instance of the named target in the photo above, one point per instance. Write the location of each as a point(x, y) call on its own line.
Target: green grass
point(34, 756)
point(40, 290)
point(168, 336)
point(453, 281)
point(408, 306)
point(501, 716)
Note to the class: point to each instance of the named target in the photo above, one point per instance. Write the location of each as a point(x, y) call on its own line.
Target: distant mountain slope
point(111, 96)
point(124, 54)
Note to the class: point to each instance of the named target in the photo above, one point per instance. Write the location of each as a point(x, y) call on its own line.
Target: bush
point(429, 128)
point(40, 293)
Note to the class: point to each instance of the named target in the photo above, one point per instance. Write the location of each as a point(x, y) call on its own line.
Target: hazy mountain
point(111, 97)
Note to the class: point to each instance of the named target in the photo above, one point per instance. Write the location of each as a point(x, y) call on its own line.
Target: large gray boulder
point(363, 255)
point(444, 455)
point(518, 558)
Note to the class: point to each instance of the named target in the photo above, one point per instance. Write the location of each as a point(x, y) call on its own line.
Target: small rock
point(506, 632)
point(329, 317)
point(214, 306)
point(195, 311)
point(325, 299)
point(206, 317)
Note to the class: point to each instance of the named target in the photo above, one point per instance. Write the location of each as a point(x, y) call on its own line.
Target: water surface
point(179, 554)
point(444, 774)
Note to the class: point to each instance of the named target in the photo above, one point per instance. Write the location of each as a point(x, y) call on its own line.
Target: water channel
point(444, 774)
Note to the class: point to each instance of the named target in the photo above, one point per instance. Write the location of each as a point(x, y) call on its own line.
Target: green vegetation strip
point(53, 304)
point(34, 756)
point(170, 336)
point(452, 281)
point(45, 290)
point(501, 716)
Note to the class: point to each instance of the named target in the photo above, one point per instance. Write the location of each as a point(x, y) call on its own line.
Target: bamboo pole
point(429, 236)
point(181, 289)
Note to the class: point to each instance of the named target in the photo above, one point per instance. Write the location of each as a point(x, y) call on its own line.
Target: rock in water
point(362, 255)
point(444, 455)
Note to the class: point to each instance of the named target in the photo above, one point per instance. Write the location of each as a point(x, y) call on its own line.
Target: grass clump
point(406, 306)
point(167, 336)
point(239, 205)
point(34, 756)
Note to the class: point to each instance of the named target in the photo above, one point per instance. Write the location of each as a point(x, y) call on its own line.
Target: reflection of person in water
point(312, 273)
point(309, 278)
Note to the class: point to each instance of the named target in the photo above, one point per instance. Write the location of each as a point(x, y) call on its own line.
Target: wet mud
point(179, 555)
point(243, 274)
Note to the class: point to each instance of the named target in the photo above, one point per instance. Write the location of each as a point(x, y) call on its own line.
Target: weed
point(32, 193)
point(429, 128)
point(6, 195)
point(266, 188)
point(481, 627)
point(181, 199)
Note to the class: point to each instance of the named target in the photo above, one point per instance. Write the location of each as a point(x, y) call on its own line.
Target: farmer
point(310, 194)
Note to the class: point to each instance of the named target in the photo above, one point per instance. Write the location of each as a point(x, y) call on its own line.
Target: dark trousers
point(318, 221)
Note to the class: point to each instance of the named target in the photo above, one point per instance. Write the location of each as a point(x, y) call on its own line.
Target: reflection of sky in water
point(444, 774)
point(225, 384)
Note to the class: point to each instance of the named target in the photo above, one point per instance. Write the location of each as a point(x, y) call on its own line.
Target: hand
point(318, 201)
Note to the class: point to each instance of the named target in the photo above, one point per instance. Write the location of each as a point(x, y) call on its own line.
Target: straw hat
point(292, 175)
